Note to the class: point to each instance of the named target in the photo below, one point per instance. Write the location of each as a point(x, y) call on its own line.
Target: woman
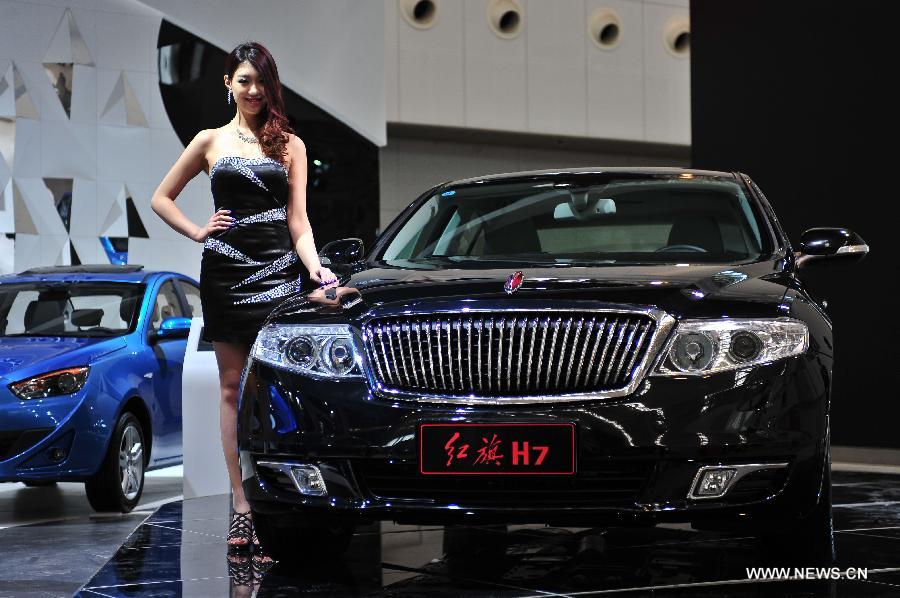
point(252, 244)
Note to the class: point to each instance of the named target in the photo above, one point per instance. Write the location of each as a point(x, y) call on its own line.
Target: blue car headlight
point(51, 384)
point(319, 351)
point(701, 347)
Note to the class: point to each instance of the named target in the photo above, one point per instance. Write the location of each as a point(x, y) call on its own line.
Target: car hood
point(682, 290)
point(22, 356)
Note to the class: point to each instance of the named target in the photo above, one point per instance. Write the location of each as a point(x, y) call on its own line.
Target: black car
point(575, 347)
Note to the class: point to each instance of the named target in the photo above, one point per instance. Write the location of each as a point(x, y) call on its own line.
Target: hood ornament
point(513, 282)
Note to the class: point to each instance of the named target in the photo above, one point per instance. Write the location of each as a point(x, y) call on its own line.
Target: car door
point(166, 357)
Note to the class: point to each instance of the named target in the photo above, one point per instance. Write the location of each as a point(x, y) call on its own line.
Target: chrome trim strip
point(741, 471)
point(664, 326)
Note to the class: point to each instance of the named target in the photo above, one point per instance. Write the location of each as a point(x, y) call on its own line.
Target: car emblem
point(513, 282)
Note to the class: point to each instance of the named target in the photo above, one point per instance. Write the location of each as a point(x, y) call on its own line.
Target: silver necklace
point(245, 138)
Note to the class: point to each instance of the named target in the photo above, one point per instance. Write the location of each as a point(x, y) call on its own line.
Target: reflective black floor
point(180, 551)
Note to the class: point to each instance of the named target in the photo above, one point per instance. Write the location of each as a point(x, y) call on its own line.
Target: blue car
point(90, 377)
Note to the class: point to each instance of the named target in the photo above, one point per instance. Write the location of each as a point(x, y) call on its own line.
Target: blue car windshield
point(69, 309)
point(611, 218)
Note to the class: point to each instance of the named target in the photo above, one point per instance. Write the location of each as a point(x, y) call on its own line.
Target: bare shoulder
point(295, 147)
point(206, 137)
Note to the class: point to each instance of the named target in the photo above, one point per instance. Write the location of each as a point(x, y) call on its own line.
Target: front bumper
point(31, 430)
point(637, 457)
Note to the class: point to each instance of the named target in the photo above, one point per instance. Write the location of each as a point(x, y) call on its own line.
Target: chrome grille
point(513, 354)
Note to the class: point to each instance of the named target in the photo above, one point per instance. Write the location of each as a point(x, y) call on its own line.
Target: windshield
point(68, 309)
point(616, 218)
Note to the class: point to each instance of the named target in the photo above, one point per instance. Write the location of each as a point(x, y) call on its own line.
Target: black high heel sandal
point(241, 528)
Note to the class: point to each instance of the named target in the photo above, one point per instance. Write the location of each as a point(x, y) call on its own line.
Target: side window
point(166, 305)
point(192, 295)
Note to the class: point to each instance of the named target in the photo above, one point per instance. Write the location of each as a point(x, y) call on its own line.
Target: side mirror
point(823, 245)
point(342, 252)
point(173, 328)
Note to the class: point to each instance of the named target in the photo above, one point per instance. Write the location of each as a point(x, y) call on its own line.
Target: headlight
point(51, 384)
point(702, 347)
point(319, 351)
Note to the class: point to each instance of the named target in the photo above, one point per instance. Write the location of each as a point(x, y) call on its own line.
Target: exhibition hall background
point(798, 95)
point(98, 97)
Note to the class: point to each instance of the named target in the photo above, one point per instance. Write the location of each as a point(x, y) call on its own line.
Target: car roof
point(563, 172)
point(133, 273)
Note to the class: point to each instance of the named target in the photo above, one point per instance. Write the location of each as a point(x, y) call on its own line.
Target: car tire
point(118, 485)
point(290, 542)
point(808, 541)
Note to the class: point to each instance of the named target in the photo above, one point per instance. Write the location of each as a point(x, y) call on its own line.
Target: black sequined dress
point(247, 269)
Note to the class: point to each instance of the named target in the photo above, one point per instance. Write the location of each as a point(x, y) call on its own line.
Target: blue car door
point(165, 360)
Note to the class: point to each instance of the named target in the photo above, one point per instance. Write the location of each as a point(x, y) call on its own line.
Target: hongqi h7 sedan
point(573, 347)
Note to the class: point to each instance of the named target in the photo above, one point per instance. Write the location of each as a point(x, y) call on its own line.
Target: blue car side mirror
point(174, 328)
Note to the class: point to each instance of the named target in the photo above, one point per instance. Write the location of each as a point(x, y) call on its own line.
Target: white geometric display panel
point(76, 82)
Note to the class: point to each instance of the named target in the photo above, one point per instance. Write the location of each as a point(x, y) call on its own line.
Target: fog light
point(56, 454)
point(308, 480)
point(713, 482)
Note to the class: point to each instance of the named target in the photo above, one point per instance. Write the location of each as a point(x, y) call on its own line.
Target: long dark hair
point(273, 135)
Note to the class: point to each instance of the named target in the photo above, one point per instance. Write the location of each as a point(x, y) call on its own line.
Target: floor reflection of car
point(90, 377)
point(576, 347)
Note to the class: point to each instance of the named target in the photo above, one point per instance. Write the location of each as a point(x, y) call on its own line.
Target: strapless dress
point(248, 269)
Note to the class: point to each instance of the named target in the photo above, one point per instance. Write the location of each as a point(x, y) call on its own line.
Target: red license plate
point(497, 449)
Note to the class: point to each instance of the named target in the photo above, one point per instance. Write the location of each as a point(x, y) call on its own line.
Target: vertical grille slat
point(550, 360)
point(407, 328)
point(509, 353)
point(611, 327)
point(533, 327)
point(597, 338)
point(620, 335)
point(449, 353)
point(491, 355)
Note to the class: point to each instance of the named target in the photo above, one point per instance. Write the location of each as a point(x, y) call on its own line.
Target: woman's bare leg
point(231, 358)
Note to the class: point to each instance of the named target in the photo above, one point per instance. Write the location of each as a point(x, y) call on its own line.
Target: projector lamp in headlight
point(320, 351)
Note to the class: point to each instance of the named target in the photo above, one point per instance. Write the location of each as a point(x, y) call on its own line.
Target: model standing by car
point(254, 241)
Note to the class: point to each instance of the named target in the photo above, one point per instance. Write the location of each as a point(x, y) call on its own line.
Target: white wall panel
point(557, 82)
point(65, 155)
point(84, 95)
point(41, 206)
point(126, 41)
point(27, 29)
point(329, 51)
point(123, 153)
point(496, 93)
point(615, 76)
point(391, 66)
point(430, 69)
point(177, 256)
point(165, 148)
point(84, 209)
point(27, 157)
point(89, 249)
point(28, 252)
point(667, 88)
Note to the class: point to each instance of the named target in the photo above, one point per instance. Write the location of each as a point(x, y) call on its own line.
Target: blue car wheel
point(118, 485)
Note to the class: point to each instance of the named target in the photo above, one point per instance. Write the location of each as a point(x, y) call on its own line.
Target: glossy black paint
point(660, 435)
point(343, 252)
point(822, 245)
